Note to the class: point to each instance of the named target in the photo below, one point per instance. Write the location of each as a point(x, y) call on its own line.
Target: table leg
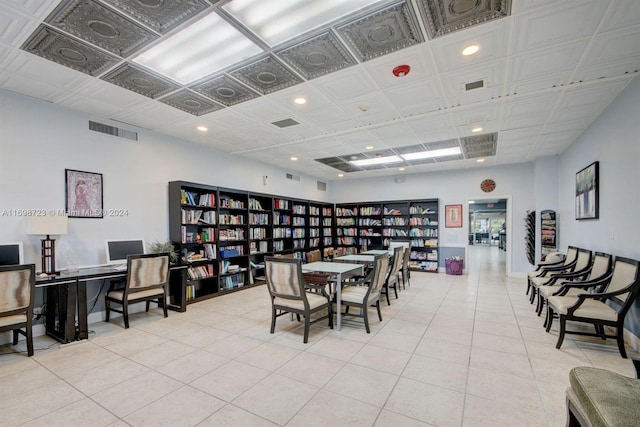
point(338, 301)
point(70, 322)
point(83, 327)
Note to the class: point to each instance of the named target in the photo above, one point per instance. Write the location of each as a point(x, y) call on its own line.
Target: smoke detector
point(401, 70)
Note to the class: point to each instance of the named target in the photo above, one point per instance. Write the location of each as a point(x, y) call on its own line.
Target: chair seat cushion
point(547, 291)
point(147, 293)
point(13, 320)
point(315, 301)
point(605, 397)
point(354, 294)
point(538, 281)
point(591, 308)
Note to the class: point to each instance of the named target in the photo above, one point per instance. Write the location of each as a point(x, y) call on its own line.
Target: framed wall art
point(587, 192)
point(83, 194)
point(453, 216)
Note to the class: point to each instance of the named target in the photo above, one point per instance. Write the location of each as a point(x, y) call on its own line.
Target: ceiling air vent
point(285, 123)
point(322, 186)
point(474, 85)
point(293, 177)
point(112, 130)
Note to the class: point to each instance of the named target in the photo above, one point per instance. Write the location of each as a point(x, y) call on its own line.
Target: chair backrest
point(572, 255)
point(380, 267)
point(284, 277)
point(583, 262)
point(17, 289)
point(397, 259)
point(625, 274)
point(314, 256)
point(147, 271)
point(553, 257)
point(405, 259)
point(601, 266)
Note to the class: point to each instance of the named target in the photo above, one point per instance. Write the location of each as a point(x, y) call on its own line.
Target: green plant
point(158, 247)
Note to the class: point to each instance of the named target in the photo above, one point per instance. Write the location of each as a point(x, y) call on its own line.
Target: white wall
point(38, 141)
point(457, 187)
point(546, 187)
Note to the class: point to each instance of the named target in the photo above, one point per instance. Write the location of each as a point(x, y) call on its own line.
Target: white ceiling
point(549, 69)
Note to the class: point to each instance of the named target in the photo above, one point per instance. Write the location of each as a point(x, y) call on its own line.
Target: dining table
point(340, 271)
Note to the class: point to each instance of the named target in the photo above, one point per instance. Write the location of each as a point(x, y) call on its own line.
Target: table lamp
point(48, 225)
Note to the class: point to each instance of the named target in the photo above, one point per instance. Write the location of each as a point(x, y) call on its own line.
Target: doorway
point(488, 229)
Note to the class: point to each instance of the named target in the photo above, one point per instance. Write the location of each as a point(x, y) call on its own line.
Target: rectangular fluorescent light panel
point(208, 45)
point(433, 153)
point(276, 21)
point(376, 161)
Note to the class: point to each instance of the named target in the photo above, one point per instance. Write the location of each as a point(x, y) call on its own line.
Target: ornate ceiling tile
point(323, 54)
point(141, 81)
point(446, 16)
point(382, 32)
point(225, 90)
point(57, 47)
point(191, 102)
point(160, 15)
point(479, 145)
point(266, 75)
point(94, 23)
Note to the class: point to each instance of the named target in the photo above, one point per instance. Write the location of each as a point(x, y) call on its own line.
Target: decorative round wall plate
point(488, 185)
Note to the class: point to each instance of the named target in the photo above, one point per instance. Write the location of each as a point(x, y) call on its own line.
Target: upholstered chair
point(17, 293)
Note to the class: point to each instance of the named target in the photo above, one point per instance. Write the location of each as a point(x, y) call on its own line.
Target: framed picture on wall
point(453, 216)
point(83, 194)
point(587, 192)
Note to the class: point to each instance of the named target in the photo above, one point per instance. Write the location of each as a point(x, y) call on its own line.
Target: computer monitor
point(117, 250)
point(11, 253)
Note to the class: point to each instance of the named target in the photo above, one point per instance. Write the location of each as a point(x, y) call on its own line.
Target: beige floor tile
point(395, 341)
point(497, 328)
point(391, 419)
point(427, 403)
point(444, 350)
point(82, 412)
point(183, 407)
point(499, 343)
point(232, 416)
point(230, 380)
point(406, 327)
point(26, 380)
point(76, 358)
point(336, 348)
point(484, 412)
point(511, 390)
point(310, 368)
point(201, 336)
point(134, 393)
point(330, 409)
point(131, 341)
point(381, 358)
point(364, 384)
point(277, 407)
point(498, 361)
point(161, 354)
point(192, 365)
point(233, 346)
point(449, 375)
point(268, 356)
point(106, 376)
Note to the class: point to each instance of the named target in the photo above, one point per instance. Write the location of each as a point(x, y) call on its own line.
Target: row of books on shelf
point(368, 222)
point(196, 216)
point(346, 212)
point(228, 219)
point(298, 222)
point(389, 211)
point(259, 219)
point(314, 232)
point(299, 209)
point(417, 220)
point(195, 199)
point(327, 232)
point(232, 282)
point(226, 267)
point(257, 233)
point(424, 243)
point(281, 233)
point(299, 244)
point(421, 232)
point(281, 219)
point(327, 222)
point(347, 231)
point(368, 232)
point(231, 251)
point(419, 210)
point(345, 222)
point(227, 234)
point(327, 212)
point(258, 247)
point(424, 256)
point(431, 266)
point(314, 210)
point(394, 232)
point(200, 272)
point(370, 211)
point(298, 233)
point(254, 204)
point(228, 202)
point(314, 222)
point(395, 221)
point(280, 204)
point(346, 241)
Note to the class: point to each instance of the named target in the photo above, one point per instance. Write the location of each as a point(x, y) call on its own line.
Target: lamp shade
point(47, 225)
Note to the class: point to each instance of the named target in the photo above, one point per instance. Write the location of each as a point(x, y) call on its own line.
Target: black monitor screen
point(10, 254)
point(117, 250)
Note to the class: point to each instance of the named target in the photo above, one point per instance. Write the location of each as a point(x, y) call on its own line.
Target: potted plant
point(158, 247)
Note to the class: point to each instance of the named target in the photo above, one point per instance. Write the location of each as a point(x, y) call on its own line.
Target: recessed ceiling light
point(202, 128)
point(470, 50)
point(476, 129)
point(340, 175)
point(300, 101)
point(400, 169)
point(480, 160)
point(294, 158)
point(369, 147)
point(376, 161)
point(433, 153)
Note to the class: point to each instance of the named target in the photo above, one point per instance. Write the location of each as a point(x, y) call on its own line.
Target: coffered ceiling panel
point(543, 72)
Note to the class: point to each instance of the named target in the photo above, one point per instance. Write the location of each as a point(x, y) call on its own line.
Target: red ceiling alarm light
point(401, 70)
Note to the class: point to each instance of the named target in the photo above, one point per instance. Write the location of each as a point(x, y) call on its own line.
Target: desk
point(67, 296)
point(376, 252)
point(361, 258)
point(342, 270)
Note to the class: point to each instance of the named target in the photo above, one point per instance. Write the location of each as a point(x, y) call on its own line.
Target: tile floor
point(451, 351)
